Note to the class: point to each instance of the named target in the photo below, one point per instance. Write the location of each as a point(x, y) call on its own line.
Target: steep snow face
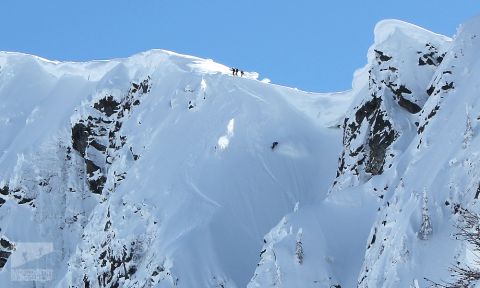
point(408, 167)
point(401, 64)
point(159, 170)
point(434, 177)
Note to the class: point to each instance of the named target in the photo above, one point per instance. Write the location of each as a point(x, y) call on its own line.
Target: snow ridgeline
point(151, 171)
point(162, 170)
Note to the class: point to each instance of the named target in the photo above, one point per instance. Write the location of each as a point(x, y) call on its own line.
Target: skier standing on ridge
point(235, 71)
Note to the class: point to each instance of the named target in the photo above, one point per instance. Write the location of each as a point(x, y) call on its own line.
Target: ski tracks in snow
point(251, 94)
point(265, 167)
point(201, 194)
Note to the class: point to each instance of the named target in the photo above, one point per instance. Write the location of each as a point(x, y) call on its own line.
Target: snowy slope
point(152, 171)
point(164, 170)
point(409, 163)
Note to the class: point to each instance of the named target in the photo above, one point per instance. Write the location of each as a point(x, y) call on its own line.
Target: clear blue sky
point(314, 45)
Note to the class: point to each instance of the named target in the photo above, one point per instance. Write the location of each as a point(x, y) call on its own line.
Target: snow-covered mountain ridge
point(155, 170)
point(164, 170)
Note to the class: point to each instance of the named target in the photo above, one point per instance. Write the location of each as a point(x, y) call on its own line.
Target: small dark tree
point(426, 228)
point(465, 276)
point(468, 134)
point(299, 247)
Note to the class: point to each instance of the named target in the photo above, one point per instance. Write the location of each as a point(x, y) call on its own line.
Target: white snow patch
point(224, 140)
point(266, 80)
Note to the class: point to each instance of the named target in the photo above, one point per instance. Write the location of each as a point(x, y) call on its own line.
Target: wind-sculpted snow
point(151, 171)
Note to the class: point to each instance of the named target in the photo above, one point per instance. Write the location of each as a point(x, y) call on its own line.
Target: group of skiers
point(235, 72)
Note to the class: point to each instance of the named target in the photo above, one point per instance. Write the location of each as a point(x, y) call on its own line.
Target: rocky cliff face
point(98, 138)
point(429, 181)
point(401, 64)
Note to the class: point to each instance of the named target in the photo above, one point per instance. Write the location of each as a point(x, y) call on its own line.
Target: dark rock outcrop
point(6, 249)
point(80, 134)
point(97, 137)
point(381, 137)
point(107, 105)
point(430, 56)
